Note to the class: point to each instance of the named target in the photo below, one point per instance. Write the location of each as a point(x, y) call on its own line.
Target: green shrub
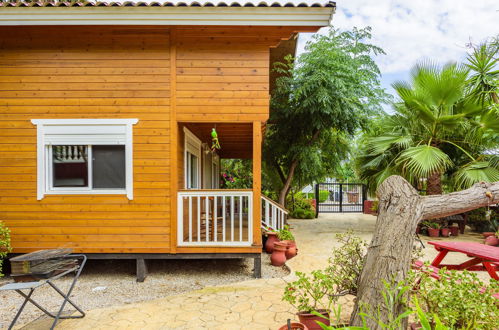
point(309, 214)
point(460, 300)
point(298, 213)
point(375, 206)
point(323, 196)
point(5, 247)
point(285, 235)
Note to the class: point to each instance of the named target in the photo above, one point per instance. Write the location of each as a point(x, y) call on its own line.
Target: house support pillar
point(257, 270)
point(141, 269)
point(257, 183)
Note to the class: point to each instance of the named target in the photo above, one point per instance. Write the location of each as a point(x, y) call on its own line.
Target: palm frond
point(474, 172)
point(422, 161)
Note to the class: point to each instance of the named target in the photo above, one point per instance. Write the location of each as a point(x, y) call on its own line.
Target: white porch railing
point(215, 218)
point(273, 215)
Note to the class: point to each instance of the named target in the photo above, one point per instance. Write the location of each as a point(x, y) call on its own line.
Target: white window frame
point(90, 133)
point(192, 145)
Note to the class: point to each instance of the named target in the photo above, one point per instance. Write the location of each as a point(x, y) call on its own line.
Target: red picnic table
point(487, 256)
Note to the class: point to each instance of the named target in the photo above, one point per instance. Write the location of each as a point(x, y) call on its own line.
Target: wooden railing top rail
point(275, 204)
point(214, 190)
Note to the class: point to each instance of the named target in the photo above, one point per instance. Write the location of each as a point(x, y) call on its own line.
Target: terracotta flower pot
point(291, 249)
point(454, 231)
point(309, 319)
point(294, 326)
point(272, 238)
point(278, 257)
point(433, 232)
point(445, 232)
point(492, 240)
point(488, 233)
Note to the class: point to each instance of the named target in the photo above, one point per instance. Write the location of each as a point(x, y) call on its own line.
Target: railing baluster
point(207, 217)
point(240, 218)
point(215, 220)
point(267, 213)
point(190, 218)
point(232, 218)
point(224, 211)
point(199, 219)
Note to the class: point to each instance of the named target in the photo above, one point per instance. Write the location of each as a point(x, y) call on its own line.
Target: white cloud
point(410, 31)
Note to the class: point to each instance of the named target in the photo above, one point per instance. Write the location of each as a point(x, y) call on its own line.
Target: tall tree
point(436, 129)
point(319, 103)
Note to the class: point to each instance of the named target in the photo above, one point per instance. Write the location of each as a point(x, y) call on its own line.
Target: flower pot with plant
point(271, 239)
point(492, 240)
point(311, 292)
point(314, 294)
point(285, 236)
point(433, 228)
point(445, 231)
point(293, 326)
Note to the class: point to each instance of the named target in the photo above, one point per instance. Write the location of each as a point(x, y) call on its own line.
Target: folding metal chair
point(32, 286)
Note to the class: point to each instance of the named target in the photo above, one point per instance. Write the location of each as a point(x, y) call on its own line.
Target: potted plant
point(314, 294)
point(293, 326)
point(432, 227)
point(493, 239)
point(445, 230)
point(454, 230)
point(309, 293)
point(271, 239)
point(285, 236)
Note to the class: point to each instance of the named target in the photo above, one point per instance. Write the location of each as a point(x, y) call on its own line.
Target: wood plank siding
point(218, 74)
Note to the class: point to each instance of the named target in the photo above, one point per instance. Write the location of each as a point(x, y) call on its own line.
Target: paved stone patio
point(253, 304)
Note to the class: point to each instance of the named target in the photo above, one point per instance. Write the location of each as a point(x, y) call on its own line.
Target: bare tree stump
point(401, 208)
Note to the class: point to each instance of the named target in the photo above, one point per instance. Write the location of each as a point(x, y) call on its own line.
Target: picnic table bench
point(482, 257)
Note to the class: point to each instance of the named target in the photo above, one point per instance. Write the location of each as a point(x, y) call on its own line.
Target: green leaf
point(422, 161)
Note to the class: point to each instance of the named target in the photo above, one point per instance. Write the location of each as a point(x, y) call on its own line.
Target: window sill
point(88, 192)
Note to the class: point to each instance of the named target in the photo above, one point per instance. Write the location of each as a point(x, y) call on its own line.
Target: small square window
point(70, 166)
point(84, 156)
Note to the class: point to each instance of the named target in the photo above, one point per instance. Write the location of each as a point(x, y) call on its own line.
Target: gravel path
point(112, 283)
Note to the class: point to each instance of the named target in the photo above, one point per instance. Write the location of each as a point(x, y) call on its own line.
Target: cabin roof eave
point(14, 13)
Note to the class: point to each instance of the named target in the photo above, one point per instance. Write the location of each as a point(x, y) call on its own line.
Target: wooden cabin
point(107, 111)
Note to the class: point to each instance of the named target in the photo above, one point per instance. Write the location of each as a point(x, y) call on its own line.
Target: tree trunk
point(495, 99)
point(287, 184)
point(401, 208)
point(434, 184)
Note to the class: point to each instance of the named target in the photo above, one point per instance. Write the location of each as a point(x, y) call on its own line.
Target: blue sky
point(413, 30)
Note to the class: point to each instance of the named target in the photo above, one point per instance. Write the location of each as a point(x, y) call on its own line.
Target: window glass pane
point(70, 166)
point(108, 167)
point(192, 171)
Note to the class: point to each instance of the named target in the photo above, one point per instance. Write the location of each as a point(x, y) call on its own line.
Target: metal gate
point(339, 197)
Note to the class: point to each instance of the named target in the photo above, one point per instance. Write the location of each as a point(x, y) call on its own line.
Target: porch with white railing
point(274, 216)
point(215, 218)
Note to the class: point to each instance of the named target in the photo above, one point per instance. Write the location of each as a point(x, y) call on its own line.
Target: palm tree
point(484, 80)
point(436, 129)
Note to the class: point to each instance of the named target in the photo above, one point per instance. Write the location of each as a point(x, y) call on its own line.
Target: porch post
point(257, 182)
